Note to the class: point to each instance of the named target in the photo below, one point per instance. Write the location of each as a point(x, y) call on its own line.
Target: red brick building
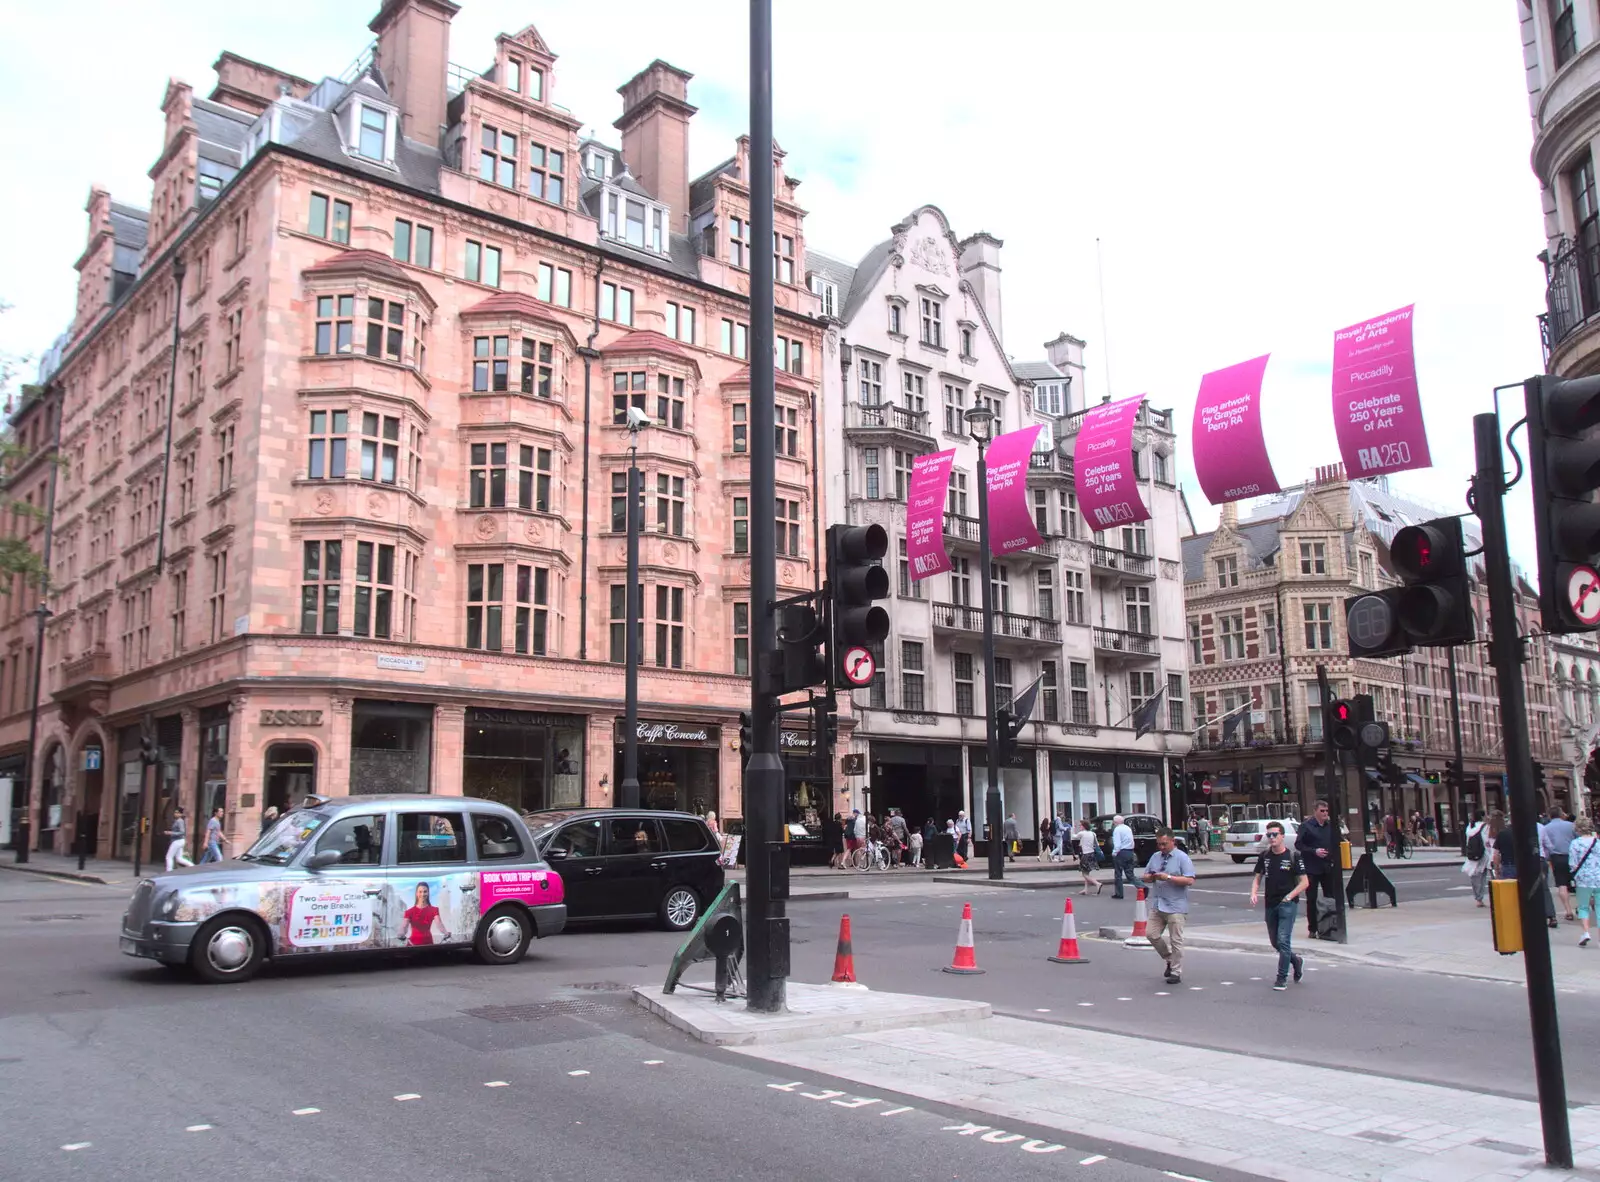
point(341, 501)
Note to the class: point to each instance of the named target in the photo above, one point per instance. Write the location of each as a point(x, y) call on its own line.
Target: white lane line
point(1124, 999)
point(654, 1062)
point(409, 1096)
point(306, 1111)
point(894, 1111)
point(1465, 888)
point(580, 1072)
point(196, 1128)
point(1255, 978)
point(1094, 1160)
point(1182, 1177)
point(71, 1145)
point(1227, 982)
point(1196, 988)
point(1162, 993)
point(1086, 1003)
point(496, 1083)
point(1041, 1011)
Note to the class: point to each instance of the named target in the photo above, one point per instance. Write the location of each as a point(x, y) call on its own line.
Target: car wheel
point(503, 935)
point(679, 909)
point(228, 949)
point(1238, 857)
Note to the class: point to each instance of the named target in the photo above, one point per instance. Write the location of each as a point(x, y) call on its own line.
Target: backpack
point(1475, 847)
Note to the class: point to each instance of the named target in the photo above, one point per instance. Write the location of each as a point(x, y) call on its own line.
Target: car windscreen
point(278, 845)
point(1245, 827)
point(540, 824)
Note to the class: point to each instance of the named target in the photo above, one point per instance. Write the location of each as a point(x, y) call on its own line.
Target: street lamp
point(628, 789)
point(980, 422)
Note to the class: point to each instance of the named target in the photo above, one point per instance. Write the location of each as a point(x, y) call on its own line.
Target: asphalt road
point(438, 1067)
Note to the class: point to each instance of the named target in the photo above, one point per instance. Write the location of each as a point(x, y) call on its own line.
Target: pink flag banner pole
point(1011, 526)
point(1377, 412)
point(1102, 461)
point(930, 480)
point(1230, 452)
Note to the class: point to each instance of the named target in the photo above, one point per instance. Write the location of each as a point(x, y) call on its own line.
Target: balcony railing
point(1572, 290)
point(1117, 640)
point(959, 526)
point(1007, 625)
point(1123, 561)
point(1041, 462)
point(889, 417)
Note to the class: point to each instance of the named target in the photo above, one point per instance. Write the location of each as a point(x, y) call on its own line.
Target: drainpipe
point(179, 267)
point(589, 355)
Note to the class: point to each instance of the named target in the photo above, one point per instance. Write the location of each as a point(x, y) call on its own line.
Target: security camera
point(637, 418)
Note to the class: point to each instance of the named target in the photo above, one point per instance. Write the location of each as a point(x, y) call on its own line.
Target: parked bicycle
point(872, 856)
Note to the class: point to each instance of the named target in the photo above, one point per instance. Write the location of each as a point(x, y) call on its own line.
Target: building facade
point(342, 498)
point(1266, 594)
point(915, 341)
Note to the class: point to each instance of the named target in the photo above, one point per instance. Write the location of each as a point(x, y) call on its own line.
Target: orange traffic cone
point(1068, 952)
point(1141, 924)
point(966, 957)
point(844, 960)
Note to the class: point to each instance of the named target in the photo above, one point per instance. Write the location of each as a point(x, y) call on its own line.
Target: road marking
point(894, 1111)
point(1124, 999)
point(1041, 1011)
point(788, 1087)
point(306, 1111)
point(1094, 1160)
point(1196, 988)
point(496, 1083)
point(196, 1128)
point(70, 1146)
point(579, 1072)
point(654, 1062)
point(1182, 1177)
point(1255, 978)
point(1464, 888)
point(1227, 982)
point(1086, 1003)
point(409, 1096)
point(856, 1102)
point(824, 1094)
point(1162, 993)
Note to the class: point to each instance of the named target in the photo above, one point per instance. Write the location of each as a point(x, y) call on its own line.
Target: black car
point(1144, 828)
point(630, 864)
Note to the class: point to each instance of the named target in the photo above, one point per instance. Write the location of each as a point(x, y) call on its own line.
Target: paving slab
point(814, 1011)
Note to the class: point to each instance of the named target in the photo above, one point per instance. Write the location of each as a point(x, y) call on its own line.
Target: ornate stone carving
point(1169, 569)
point(377, 505)
point(670, 553)
point(340, 705)
point(323, 502)
point(486, 527)
point(788, 574)
point(621, 552)
point(547, 221)
point(413, 516)
point(744, 572)
point(927, 254)
point(534, 529)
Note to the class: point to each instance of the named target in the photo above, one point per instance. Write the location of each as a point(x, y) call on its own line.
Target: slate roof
point(701, 188)
point(1036, 371)
point(836, 271)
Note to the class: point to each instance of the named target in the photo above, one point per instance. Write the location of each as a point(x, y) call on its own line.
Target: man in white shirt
point(1121, 854)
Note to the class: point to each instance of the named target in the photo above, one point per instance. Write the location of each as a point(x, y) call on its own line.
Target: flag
point(1144, 718)
point(1230, 725)
point(1022, 705)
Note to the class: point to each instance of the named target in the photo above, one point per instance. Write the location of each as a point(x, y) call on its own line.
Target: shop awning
point(1418, 780)
point(1222, 783)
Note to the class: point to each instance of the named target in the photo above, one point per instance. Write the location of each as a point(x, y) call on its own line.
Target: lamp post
point(628, 789)
point(980, 421)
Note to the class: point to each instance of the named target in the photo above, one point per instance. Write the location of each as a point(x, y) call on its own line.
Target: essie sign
point(1102, 459)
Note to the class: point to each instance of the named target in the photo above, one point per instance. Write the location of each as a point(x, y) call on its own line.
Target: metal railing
point(1049, 461)
point(957, 525)
point(888, 416)
point(1118, 640)
point(1125, 561)
point(1572, 291)
point(1007, 625)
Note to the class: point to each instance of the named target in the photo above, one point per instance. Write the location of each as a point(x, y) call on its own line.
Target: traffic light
point(800, 636)
point(1538, 775)
point(746, 739)
point(1434, 608)
point(1372, 624)
point(826, 722)
point(1564, 462)
point(1372, 736)
point(1339, 717)
point(855, 579)
point(1454, 774)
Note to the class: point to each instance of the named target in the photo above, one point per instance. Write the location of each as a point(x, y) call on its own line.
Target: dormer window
point(367, 129)
point(513, 75)
point(597, 164)
point(374, 133)
point(827, 292)
point(635, 221)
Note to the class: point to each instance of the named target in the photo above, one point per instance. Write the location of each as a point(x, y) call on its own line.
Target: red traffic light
point(1342, 711)
point(1430, 551)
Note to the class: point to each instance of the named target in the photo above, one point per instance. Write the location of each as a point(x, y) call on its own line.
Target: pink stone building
point(341, 506)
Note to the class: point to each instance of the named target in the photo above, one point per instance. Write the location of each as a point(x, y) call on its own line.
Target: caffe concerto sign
point(679, 733)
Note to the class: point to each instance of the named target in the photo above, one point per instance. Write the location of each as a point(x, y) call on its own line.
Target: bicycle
point(872, 856)
point(1401, 848)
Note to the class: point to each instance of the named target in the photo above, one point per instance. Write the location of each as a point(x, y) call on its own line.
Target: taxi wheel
point(228, 949)
point(679, 909)
point(503, 935)
point(1238, 857)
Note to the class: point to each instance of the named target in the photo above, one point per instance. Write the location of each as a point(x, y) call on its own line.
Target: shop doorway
point(290, 775)
point(52, 798)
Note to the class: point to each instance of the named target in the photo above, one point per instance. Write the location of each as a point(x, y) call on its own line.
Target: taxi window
point(634, 836)
point(581, 839)
point(278, 845)
point(685, 837)
point(430, 838)
point(496, 837)
point(358, 839)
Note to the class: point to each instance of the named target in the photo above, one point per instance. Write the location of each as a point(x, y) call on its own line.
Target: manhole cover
point(53, 918)
point(601, 986)
point(539, 1011)
point(1381, 1138)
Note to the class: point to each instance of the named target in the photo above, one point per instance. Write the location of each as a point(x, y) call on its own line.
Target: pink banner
point(1011, 526)
point(1102, 461)
point(930, 480)
point(1230, 454)
point(1377, 413)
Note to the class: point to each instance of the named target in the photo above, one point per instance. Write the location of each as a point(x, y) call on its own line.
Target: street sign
point(858, 665)
point(1583, 595)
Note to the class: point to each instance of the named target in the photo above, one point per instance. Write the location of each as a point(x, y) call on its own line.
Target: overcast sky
point(1257, 174)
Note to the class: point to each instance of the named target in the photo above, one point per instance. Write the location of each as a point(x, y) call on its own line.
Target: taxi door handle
point(593, 869)
point(658, 865)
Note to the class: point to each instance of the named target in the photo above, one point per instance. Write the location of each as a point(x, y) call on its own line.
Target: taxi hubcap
point(505, 934)
point(230, 949)
point(680, 907)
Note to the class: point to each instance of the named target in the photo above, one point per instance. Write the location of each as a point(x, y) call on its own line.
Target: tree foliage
point(18, 553)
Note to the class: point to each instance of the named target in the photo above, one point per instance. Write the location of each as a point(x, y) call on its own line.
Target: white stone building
point(914, 342)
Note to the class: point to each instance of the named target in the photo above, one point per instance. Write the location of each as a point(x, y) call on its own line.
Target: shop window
point(389, 747)
point(357, 840)
point(290, 775)
point(427, 838)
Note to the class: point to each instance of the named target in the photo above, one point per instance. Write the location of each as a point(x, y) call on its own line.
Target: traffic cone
point(1068, 952)
point(1141, 924)
point(844, 960)
point(966, 957)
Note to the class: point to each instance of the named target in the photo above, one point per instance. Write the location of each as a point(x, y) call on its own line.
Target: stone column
point(333, 777)
point(239, 779)
point(449, 747)
point(730, 795)
point(600, 762)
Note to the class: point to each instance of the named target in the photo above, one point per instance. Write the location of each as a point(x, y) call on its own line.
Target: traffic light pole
point(1330, 775)
point(1505, 647)
point(1458, 780)
point(628, 788)
point(991, 730)
point(767, 934)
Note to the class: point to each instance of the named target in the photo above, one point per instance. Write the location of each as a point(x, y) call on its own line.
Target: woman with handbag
point(1088, 858)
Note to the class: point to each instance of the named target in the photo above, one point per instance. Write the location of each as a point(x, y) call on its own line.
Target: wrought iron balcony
point(1123, 563)
point(956, 617)
point(887, 416)
point(1572, 290)
point(1127, 644)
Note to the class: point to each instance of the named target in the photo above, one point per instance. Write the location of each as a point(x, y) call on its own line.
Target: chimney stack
point(655, 135)
point(413, 54)
point(980, 266)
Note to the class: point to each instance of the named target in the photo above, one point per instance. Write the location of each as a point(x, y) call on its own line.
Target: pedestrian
point(269, 818)
point(1505, 846)
point(963, 834)
point(1063, 832)
point(1315, 843)
point(1284, 875)
point(1548, 896)
point(1205, 833)
point(1170, 872)
point(1585, 876)
point(896, 825)
point(891, 842)
point(1555, 842)
point(1476, 850)
point(1009, 832)
point(175, 839)
point(916, 839)
point(1088, 858)
point(214, 838)
point(855, 835)
point(833, 840)
point(1047, 838)
point(1427, 829)
point(1122, 857)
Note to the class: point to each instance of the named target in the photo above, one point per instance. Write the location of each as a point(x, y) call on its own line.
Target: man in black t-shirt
point(1282, 872)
